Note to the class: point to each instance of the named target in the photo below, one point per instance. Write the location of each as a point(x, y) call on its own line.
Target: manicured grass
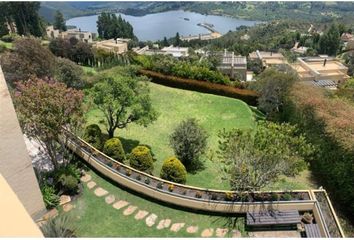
point(94, 218)
point(89, 70)
point(214, 113)
point(7, 45)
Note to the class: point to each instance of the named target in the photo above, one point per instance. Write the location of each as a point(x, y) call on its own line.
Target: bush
point(69, 184)
point(9, 38)
point(173, 170)
point(113, 148)
point(59, 227)
point(69, 73)
point(248, 96)
point(141, 159)
point(51, 200)
point(93, 136)
point(189, 141)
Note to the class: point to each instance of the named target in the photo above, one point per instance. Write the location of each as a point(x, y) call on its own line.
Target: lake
point(166, 24)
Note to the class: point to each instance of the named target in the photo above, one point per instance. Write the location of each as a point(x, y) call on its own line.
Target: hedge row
point(248, 96)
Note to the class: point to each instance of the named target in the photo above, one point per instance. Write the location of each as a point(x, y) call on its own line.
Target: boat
point(187, 19)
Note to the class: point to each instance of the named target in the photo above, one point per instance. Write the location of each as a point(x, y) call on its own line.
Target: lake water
point(166, 24)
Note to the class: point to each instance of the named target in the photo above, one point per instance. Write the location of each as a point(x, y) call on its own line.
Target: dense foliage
point(252, 159)
point(93, 136)
point(182, 68)
point(28, 58)
point(24, 15)
point(173, 170)
point(123, 100)
point(50, 198)
point(110, 26)
point(59, 227)
point(189, 142)
point(44, 107)
point(328, 123)
point(114, 148)
point(69, 73)
point(59, 21)
point(140, 158)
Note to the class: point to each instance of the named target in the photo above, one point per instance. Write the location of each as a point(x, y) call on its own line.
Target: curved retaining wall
point(192, 202)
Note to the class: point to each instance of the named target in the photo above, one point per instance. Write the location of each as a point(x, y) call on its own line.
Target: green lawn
point(89, 70)
point(214, 113)
point(94, 218)
point(7, 45)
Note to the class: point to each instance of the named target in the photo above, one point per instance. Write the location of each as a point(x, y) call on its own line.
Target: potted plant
point(307, 218)
point(128, 172)
point(159, 185)
point(147, 181)
point(171, 187)
point(138, 177)
point(198, 194)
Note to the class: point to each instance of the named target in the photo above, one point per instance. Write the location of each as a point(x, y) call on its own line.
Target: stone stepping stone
point(165, 223)
point(192, 229)
point(236, 234)
point(176, 227)
point(141, 214)
point(120, 204)
point(64, 199)
point(86, 178)
point(67, 207)
point(221, 232)
point(150, 220)
point(91, 184)
point(50, 214)
point(110, 199)
point(99, 192)
point(207, 232)
point(128, 211)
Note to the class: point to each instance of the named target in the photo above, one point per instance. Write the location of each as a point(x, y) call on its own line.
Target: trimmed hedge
point(248, 96)
point(113, 148)
point(141, 159)
point(173, 170)
point(93, 136)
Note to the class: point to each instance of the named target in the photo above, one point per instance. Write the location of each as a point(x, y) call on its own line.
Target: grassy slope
point(174, 105)
point(94, 218)
point(7, 45)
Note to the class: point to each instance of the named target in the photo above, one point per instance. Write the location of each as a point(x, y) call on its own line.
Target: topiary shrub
point(69, 184)
point(141, 159)
point(173, 170)
point(113, 148)
point(93, 136)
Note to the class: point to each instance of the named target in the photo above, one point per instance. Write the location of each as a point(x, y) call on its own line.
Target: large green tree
point(123, 100)
point(329, 42)
point(252, 159)
point(59, 22)
point(44, 107)
point(110, 26)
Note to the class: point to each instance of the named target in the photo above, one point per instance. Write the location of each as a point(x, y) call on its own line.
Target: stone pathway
point(120, 204)
point(192, 229)
point(177, 226)
point(141, 214)
point(99, 192)
point(67, 207)
point(91, 184)
point(165, 223)
point(110, 199)
point(207, 232)
point(150, 220)
point(64, 199)
point(128, 211)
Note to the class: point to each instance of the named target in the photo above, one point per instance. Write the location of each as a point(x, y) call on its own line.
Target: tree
point(59, 22)
point(44, 107)
point(110, 26)
point(28, 58)
point(177, 40)
point(69, 73)
point(329, 42)
point(252, 159)
point(273, 87)
point(123, 100)
point(189, 141)
point(165, 42)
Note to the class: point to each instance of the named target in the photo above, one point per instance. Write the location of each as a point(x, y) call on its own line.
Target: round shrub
point(141, 159)
point(93, 136)
point(69, 184)
point(113, 148)
point(173, 170)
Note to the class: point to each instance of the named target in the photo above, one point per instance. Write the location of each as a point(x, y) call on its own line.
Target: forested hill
point(311, 11)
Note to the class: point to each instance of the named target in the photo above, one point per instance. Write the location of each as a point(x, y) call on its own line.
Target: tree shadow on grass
point(195, 166)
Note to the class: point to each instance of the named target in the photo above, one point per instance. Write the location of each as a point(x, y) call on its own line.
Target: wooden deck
point(312, 231)
point(275, 218)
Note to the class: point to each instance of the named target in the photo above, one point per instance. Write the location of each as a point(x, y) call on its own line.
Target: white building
point(117, 46)
point(175, 51)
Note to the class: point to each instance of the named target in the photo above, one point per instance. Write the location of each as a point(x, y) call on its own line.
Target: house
point(268, 58)
point(83, 36)
point(350, 47)
point(117, 46)
point(51, 32)
point(232, 65)
point(299, 49)
point(175, 51)
point(321, 71)
point(346, 37)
